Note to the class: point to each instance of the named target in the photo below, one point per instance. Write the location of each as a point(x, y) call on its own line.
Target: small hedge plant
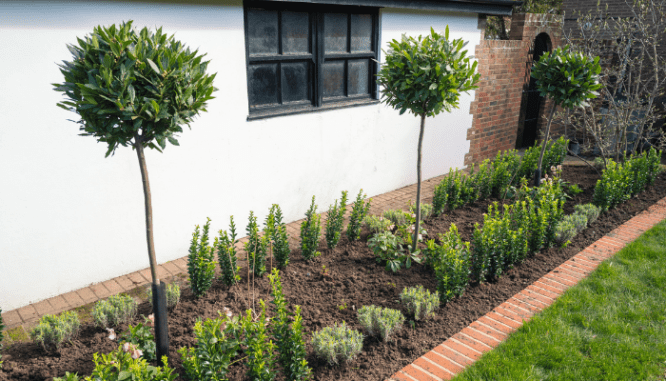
point(227, 256)
point(451, 262)
point(621, 181)
point(276, 231)
point(419, 302)
point(115, 310)
point(259, 349)
point(289, 340)
point(380, 322)
point(53, 330)
point(360, 209)
point(200, 261)
point(335, 219)
point(256, 247)
point(217, 343)
point(172, 295)
point(337, 344)
point(310, 232)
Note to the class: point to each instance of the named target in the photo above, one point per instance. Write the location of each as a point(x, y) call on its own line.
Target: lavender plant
point(426, 209)
point(590, 211)
point(225, 245)
point(337, 344)
point(172, 295)
point(420, 302)
point(378, 224)
point(258, 348)
point(334, 221)
point(217, 343)
point(113, 311)
point(380, 322)
point(359, 210)
point(289, 340)
point(53, 330)
point(310, 231)
point(397, 216)
point(201, 262)
point(568, 227)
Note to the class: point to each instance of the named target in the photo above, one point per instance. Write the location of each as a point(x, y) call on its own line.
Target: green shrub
point(380, 322)
point(121, 365)
point(335, 219)
point(113, 311)
point(598, 163)
point(397, 216)
point(451, 238)
point(310, 231)
point(337, 344)
point(227, 257)
point(529, 161)
point(568, 227)
point(217, 344)
point(590, 211)
point(574, 189)
point(256, 247)
point(259, 349)
point(68, 377)
point(482, 179)
point(360, 209)
point(454, 191)
point(426, 209)
point(378, 224)
point(555, 153)
point(388, 247)
point(141, 336)
point(200, 262)
point(277, 231)
point(289, 340)
point(504, 169)
point(451, 261)
point(172, 295)
point(53, 330)
point(420, 302)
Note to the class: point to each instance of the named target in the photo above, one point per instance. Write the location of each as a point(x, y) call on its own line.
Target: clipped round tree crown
point(426, 75)
point(569, 78)
point(128, 85)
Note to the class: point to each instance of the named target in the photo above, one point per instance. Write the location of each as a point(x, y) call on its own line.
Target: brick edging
point(465, 347)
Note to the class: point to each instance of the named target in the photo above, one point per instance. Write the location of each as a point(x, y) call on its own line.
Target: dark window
point(303, 57)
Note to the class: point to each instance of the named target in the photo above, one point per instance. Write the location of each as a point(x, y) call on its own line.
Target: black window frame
point(317, 58)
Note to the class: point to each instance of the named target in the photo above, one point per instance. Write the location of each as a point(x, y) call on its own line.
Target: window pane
point(335, 32)
point(295, 32)
point(295, 78)
point(361, 33)
point(358, 77)
point(262, 27)
point(333, 78)
point(263, 84)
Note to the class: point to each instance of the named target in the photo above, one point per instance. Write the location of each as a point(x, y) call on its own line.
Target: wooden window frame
point(317, 58)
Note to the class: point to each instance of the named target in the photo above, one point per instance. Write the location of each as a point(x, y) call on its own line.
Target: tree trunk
point(138, 145)
point(502, 29)
point(537, 173)
point(418, 186)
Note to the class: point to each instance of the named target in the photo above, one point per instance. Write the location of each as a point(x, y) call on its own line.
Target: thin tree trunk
point(418, 186)
point(537, 177)
point(138, 145)
point(502, 27)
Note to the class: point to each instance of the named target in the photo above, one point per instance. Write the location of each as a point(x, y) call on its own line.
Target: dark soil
point(351, 279)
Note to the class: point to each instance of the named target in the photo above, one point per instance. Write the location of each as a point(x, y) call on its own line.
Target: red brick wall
point(504, 67)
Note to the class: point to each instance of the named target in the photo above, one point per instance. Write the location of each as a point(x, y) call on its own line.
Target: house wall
point(70, 218)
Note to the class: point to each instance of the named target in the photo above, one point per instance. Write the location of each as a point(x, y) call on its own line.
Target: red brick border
point(465, 347)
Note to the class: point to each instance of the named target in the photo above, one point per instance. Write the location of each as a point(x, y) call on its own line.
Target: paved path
point(465, 347)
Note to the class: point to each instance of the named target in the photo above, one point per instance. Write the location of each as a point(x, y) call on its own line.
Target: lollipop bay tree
point(425, 76)
point(569, 79)
point(136, 88)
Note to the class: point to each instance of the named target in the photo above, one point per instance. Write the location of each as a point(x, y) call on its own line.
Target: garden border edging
point(465, 347)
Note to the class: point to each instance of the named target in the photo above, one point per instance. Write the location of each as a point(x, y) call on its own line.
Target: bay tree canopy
point(127, 84)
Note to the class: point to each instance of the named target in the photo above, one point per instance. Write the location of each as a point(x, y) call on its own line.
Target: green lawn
point(611, 326)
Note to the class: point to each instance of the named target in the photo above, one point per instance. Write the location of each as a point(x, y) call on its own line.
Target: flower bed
point(332, 289)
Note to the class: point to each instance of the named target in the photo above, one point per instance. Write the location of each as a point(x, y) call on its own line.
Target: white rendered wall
point(70, 218)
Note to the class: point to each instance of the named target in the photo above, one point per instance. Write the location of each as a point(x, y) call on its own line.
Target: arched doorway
point(532, 97)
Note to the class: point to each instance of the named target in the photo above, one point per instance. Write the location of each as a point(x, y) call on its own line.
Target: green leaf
point(124, 375)
point(153, 66)
point(173, 141)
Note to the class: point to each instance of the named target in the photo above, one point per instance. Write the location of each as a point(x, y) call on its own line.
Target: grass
point(611, 326)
